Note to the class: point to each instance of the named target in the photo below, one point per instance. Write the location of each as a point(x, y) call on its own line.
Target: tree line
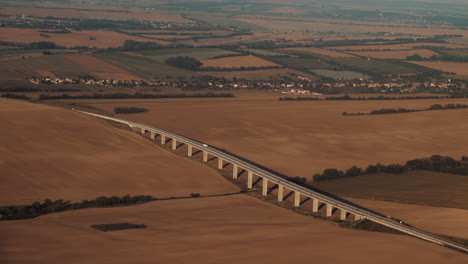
point(404, 110)
point(347, 97)
point(134, 96)
point(434, 163)
point(48, 206)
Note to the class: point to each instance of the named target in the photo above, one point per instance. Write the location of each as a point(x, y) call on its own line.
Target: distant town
point(302, 85)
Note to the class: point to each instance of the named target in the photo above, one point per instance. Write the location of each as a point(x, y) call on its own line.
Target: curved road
point(277, 179)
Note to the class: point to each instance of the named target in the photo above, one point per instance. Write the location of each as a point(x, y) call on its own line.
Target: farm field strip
point(237, 62)
point(395, 54)
point(320, 51)
point(460, 68)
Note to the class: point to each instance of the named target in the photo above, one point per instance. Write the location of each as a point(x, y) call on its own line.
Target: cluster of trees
point(447, 106)
point(40, 45)
point(299, 98)
point(129, 110)
point(404, 110)
point(118, 226)
point(192, 64)
point(15, 96)
point(380, 97)
point(347, 97)
point(185, 62)
point(48, 206)
point(139, 45)
point(136, 96)
point(434, 163)
point(22, 89)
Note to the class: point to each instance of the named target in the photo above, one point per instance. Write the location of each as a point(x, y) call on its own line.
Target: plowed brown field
point(234, 229)
point(440, 220)
point(52, 153)
point(303, 138)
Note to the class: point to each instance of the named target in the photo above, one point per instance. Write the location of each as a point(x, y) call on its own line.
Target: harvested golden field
point(459, 68)
point(439, 220)
point(232, 229)
point(237, 62)
point(303, 138)
point(395, 54)
point(405, 46)
point(320, 51)
point(53, 153)
point(102, 38)
point(61, 66)
point(304, 26)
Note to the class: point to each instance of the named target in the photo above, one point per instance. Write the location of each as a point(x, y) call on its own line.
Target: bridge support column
point(153, 135)
point(280, 193)
point(315, 205)
point(163, 139)
point(220, 164)
point(297, 199)
point(205, 156)
point(329, 210)
point(174, 144)
point(235, 172)
point(265, 187)
point(189, 150)
point(142, 131)
point(343, 214)
point(249, 180)
point(357, 217)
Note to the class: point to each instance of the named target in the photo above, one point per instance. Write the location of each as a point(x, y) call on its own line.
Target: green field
point(197, 53)
point(151, 63)
point(144, 67)
point(375, 66)
point(348, 75)
point(416, 187)
point(302, 63)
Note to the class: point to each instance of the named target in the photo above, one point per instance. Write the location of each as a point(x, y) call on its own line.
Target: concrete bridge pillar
point(205, 156)
point(189, 150)
point(315, 205)
point(297, 199)
point(235, 169)
point(143, 131)
point(357, 217)
point(163, 139)
point(329, 210)
point(265, 187)
point(153, 135)
point(220, 164)
point(343, 214)
point(174, 144)
point(280, 193)
point(249, 180)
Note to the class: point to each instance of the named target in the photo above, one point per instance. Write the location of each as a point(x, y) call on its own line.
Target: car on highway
point(205, 145)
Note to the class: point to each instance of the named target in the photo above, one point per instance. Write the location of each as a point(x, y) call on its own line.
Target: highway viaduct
point(267, 177)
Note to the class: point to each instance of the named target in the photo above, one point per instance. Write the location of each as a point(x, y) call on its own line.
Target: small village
point(300, 86)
